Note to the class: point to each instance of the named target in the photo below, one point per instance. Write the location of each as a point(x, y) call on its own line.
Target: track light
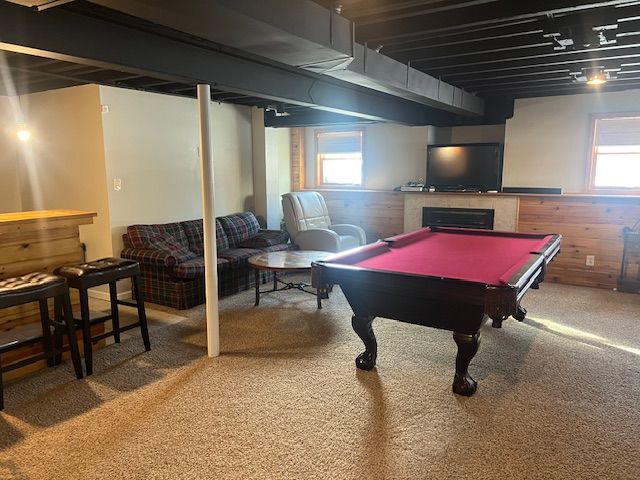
point(596, 76)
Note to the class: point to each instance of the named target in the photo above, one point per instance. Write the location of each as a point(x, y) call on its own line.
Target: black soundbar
point(534, 190)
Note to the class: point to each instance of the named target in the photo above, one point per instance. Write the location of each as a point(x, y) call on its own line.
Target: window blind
point(618, 131)
point(339, 142)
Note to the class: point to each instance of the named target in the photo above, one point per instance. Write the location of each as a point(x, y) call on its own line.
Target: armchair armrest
point(318, 239)
point(147, 256)
point(353, 230)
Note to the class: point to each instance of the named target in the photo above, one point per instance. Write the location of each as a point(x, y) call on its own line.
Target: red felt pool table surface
point(464, 255)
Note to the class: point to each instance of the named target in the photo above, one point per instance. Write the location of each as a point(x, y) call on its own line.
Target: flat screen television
point(465, 167)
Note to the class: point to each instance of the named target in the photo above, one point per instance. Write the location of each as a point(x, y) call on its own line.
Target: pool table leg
point(362, 326)
point(463, 384)
point(521, 314)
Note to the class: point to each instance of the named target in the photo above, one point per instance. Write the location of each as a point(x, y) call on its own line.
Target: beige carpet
point(559, 398)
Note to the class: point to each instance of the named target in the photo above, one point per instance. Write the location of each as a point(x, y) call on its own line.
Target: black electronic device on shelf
point(473, 167)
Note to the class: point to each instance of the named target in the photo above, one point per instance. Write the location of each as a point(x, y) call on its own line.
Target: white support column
point(209, 221)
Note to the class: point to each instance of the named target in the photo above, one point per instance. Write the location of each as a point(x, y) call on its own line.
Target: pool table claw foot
point(362, 326)
point(465, 386)
point(520, 314)
point(468, 345)
point(496, 322)
point(366, 361)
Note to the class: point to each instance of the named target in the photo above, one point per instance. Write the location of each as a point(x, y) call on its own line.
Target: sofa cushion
point(238, 257)
point(194, 268)
point(194, 230)
point(239, 227)
point(139, 235)
point(276, 248)
point(265, 238)
point(145, 257)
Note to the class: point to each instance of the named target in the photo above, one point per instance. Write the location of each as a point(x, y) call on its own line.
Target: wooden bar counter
point(37, 241)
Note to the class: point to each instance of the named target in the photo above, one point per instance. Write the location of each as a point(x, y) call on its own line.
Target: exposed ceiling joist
point(499, 11)
point(506, 48)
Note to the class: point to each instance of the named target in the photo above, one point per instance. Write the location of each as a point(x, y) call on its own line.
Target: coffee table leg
point(257, 276)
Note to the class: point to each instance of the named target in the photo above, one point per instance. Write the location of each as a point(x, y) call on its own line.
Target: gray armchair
point(309, 225)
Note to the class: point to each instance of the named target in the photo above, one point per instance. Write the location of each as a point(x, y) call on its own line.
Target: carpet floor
point(558, 398)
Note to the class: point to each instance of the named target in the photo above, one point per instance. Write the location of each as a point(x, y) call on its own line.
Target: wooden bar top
point(44, 215)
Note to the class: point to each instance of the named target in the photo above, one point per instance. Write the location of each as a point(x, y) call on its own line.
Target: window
point(339, 158)
point(615, 160)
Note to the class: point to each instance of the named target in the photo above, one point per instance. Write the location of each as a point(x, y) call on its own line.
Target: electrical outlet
point(591, 260)
point(117, 184)
point(104, 108)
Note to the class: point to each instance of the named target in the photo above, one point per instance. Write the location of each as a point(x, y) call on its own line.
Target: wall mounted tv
point(465, 167)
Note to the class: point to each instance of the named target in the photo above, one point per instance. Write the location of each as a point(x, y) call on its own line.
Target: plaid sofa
point(171, 257)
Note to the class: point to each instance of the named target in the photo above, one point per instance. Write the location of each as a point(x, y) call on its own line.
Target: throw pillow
point(169, 245)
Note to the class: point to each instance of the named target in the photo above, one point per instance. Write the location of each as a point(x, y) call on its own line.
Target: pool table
point(448, 278)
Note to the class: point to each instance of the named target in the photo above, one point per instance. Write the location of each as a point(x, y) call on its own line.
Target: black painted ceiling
point(514, 48)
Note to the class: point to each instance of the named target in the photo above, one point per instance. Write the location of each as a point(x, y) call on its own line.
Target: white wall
point(547, 142)
point(478, 134)
point(278, 153)
point(393, 154)
point(151, 144)
point(62, 165)
point(9, 191)
point(231, 125)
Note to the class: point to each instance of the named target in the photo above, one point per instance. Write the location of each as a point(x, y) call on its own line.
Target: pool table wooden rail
point(499, 301)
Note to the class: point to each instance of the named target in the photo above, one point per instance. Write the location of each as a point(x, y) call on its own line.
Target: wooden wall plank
point(380, 214)
point(21, 252)
point(589, 226)
point(297, 158)
point(32, 242)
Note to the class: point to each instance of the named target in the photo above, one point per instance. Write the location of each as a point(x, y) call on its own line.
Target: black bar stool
point(83, 276)
point(39, 287)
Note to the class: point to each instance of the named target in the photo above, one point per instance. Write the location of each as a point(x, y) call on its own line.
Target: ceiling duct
point(302, 34)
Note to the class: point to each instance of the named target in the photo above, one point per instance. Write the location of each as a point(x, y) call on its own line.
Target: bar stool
point(83, 276)
point(39, 287)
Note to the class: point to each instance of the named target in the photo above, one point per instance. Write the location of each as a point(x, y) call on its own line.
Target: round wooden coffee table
point(288, 261)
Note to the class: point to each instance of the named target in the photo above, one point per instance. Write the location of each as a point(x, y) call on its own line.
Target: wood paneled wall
point(297, 158)
point(589, 226)
point(35, 242)
point(380, 214)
